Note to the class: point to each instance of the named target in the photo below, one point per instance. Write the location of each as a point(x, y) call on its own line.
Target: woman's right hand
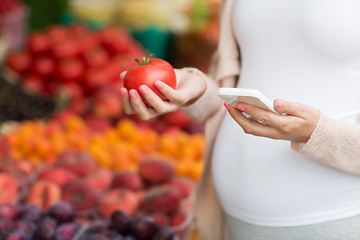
point(190, 87)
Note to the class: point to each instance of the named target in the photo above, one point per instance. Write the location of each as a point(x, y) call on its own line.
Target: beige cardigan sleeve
point(334, 143)
point(225, 67)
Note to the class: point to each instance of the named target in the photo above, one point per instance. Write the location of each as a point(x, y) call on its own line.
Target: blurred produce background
point(72, 164)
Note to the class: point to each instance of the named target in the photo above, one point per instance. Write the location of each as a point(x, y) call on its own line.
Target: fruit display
point(121, 147)
point(77, 66)
point(124, 226)
point(74, 187)
point(28, 222)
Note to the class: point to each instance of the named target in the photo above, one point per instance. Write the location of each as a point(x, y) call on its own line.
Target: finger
point(291, 108)
point(128, 109)
point(139, 106)
point(122, 75)
point(173, 95)
point(253, 127)
point(264, 116)
point(155, 101)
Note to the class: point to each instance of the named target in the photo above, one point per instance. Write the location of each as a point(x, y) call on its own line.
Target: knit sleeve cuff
point(207, 104)
point(334, 143)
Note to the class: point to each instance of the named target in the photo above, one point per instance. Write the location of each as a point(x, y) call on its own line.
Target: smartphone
point(246, 95)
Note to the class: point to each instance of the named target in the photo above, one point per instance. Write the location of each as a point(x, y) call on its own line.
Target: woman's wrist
point(190, 74)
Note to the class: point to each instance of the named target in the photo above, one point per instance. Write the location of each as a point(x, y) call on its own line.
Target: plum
point(97, 236)
point(30, 212)
point(5, 224)
point(46, 229)
point(144, 228)
point(62, 212)
point(14, 236)
point(121, 221)
point(26, 228)
point(9, 210)
point(66, 231)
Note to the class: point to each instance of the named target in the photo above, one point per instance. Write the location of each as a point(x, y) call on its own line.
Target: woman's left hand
point(296, 124)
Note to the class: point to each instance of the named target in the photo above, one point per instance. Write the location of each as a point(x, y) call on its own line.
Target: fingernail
point(240, 107)
point(227, 106)
point(143, 90)
point(132, 95)
point(279, 103)
point(158, 84)
point(123, 92)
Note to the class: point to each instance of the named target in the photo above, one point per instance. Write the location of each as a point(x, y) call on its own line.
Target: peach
point(118, 199)
point(185, 184)
point(107, 105)
point(81, 195)
point(43, 194)
point(178, 217)
point(79, 162)
point(156, 171)
point(162, 198)
point(58, 175)
point(98, 124)
point(100, 179)
point(22, 170)
point(4, 148)
point(160, 218)
point(127, 179)
point(8, 188)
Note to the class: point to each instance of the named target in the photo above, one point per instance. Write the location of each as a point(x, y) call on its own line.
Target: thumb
point(290, 108)
point(122, 75)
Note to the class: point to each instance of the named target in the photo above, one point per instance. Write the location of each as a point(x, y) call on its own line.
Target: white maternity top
point(304, 51)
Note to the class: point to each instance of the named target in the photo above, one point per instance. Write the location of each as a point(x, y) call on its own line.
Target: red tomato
point(66, 49)
point(38, 43)
point(88, 42)
point(44, 66)
point(70, 70)
point(149, 71)
point(9, 6)
point(95, 78)
point(18, 61)
point(96, 58)
point(57, 33)
point(78, 29)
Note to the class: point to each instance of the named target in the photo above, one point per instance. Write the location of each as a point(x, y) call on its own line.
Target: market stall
point(72, 164)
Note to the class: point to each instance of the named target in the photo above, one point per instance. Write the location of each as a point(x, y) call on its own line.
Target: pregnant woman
point(276, 177)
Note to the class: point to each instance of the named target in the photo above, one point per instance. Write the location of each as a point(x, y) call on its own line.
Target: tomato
point(96, 58)
point(66, 49)
point(18, 61)
point(38, 43)
point(149, 71)
point(95, 78)
point(57, 33)
point(44, 66)
point(88, 42)
point(70, 70)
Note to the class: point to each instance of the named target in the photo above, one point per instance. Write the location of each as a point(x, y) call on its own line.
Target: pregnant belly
point(261, 178)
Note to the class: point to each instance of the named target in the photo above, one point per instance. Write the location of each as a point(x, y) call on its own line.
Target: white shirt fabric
point(304, 51)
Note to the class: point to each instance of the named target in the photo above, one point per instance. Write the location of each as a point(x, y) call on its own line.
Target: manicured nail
point(279, 104)
point(143, 90)
point(158, 84)
point(240, 107)
point(123, 92)
point(132, 95)
point(227, 106)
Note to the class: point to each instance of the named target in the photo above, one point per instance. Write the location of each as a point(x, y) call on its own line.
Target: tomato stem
point(145, 61)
